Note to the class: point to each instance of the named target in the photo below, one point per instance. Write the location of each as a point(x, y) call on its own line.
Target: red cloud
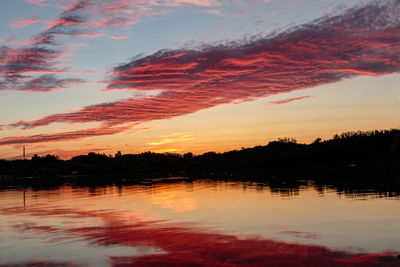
point(165, 105)
point(21, 60)
point(65, 136)
point(23, 23)
point(67, 24)
point(188, 246)
point(18, 64)
point(323, 51)
point(288, 100)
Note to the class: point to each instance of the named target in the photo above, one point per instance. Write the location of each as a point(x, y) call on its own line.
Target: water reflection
point(196, 223)
point(163, 244)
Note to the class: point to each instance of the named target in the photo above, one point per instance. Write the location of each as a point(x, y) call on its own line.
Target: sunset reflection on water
point(196, 223)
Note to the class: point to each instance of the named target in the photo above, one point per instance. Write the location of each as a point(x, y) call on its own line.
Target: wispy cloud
point(21, 60)
point(21, 23)
point(287, 100)
point(20, 66)
point(36, 2)
point(68, 23)
point(64, 136)
point(172, 139)
point(80, 18)
point(117, 37)
point(49, 82)
point(168, 150)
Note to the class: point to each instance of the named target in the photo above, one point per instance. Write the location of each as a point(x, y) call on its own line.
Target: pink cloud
point(117, 37)
point(13, 40)
point(75, 45)
point(64, 136)
point(36, 2)
point(84, 15)
point(21, 60)
point(21, 23)
point(89, 35)
point(287, 100)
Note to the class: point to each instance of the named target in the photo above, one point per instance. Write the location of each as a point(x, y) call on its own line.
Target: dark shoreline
point(366, 160)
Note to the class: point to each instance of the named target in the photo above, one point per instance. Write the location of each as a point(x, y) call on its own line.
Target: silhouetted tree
point(368, 149)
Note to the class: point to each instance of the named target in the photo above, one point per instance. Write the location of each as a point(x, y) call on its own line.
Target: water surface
point(200, 222)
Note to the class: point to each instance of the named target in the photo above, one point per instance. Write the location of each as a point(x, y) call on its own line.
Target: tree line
point(349, 151)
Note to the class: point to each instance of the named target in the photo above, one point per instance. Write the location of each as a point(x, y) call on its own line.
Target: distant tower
point(23, 152)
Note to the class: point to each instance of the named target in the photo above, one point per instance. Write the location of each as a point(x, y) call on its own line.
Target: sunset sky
point(193, 75)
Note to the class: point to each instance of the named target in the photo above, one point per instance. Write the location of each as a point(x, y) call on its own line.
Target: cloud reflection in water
point(188, 245)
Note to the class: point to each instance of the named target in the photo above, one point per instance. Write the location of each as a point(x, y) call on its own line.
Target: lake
point(205, 223)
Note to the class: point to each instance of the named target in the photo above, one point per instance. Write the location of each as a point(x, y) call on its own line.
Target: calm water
point(203, 222)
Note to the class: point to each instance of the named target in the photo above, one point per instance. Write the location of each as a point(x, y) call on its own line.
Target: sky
point(184, 76)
